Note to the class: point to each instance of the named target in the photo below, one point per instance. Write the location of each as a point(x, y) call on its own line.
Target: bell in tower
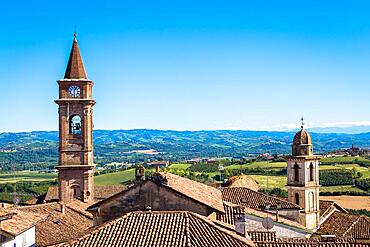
point(76, 158)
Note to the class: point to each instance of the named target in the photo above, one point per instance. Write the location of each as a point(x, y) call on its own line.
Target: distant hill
point(116, 145)
point(344, 130)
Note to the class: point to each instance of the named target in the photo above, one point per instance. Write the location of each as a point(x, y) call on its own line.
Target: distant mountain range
point(343, 130)
point(117, 145)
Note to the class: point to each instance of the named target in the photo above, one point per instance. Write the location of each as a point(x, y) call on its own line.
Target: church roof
point(197, 191)
point(75, 68)
point(164, 228)
point(243, 180)
point(302, 137)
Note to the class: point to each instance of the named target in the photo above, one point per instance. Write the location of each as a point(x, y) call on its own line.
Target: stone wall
point(148, 194)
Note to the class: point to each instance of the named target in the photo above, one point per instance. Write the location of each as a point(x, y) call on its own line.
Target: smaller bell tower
point(303, 178)
point(76, 158)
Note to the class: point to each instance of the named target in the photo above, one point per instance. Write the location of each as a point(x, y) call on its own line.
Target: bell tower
point(303, 178)
point(76, 158)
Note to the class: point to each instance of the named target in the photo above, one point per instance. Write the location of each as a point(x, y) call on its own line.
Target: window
point(296, 172)
point(312, 171)
point(312, 201)
point(296, 197)
point(75, 125)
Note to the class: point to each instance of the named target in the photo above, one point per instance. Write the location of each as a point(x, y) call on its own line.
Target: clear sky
point(189, 64)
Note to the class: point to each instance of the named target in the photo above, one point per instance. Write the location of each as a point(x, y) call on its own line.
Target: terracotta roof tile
point(198, 191)
point(243, 181)
point(262, 236)
point(14, 222)
point(309, 243)
point(57, 227)
point(253, 199)
point(160, 229)
point(346, 225)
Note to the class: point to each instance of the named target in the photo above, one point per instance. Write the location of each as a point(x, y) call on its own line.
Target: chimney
point(62, 208)
point(241, 224)
point(139, 173)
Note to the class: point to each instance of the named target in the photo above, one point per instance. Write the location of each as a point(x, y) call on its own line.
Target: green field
point(345, 159)
point(273, 181)
point(339, 188)
point(26, 176)
point(115, 177)
point(365, 171)
point(259, 164)
point(180, 166)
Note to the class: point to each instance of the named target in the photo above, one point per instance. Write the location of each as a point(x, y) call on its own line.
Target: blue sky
point(189, 64)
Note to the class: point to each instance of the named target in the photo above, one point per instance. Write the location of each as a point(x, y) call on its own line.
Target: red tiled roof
point(346, 225)
point(57, 227)
point(15, 222)
point(326, 205)
point(243, 181)
point(160, 229)
point(253, 199)
point(75, 68)
point(198, 191)
point(309, 243)
point(207, 195)
point(262, 236)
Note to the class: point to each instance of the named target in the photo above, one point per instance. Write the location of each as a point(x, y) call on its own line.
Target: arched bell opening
point(75, 125)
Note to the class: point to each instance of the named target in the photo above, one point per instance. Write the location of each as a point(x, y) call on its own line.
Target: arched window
point(312, 171)
point(312, 201)
point(75, 125)
point(296, 172)
point(75, 192)
point(296, 198)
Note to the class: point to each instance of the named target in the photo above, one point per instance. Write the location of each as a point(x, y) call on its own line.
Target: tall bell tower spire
point(76, 158)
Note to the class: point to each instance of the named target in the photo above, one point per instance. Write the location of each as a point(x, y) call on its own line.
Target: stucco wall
point(25, 239)
point(254, 223)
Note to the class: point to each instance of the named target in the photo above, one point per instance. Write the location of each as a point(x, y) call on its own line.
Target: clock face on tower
point(74, 91)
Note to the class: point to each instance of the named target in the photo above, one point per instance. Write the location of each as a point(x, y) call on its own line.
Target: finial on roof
point(302, 122)
point(75, 34)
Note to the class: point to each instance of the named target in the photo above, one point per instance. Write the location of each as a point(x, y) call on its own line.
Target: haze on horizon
point(190, 65)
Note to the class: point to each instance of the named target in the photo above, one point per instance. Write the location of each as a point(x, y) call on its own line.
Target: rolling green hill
point(35, 150)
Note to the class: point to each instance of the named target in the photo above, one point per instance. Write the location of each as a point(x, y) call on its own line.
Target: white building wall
point(254, 223)
point(25, 239)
